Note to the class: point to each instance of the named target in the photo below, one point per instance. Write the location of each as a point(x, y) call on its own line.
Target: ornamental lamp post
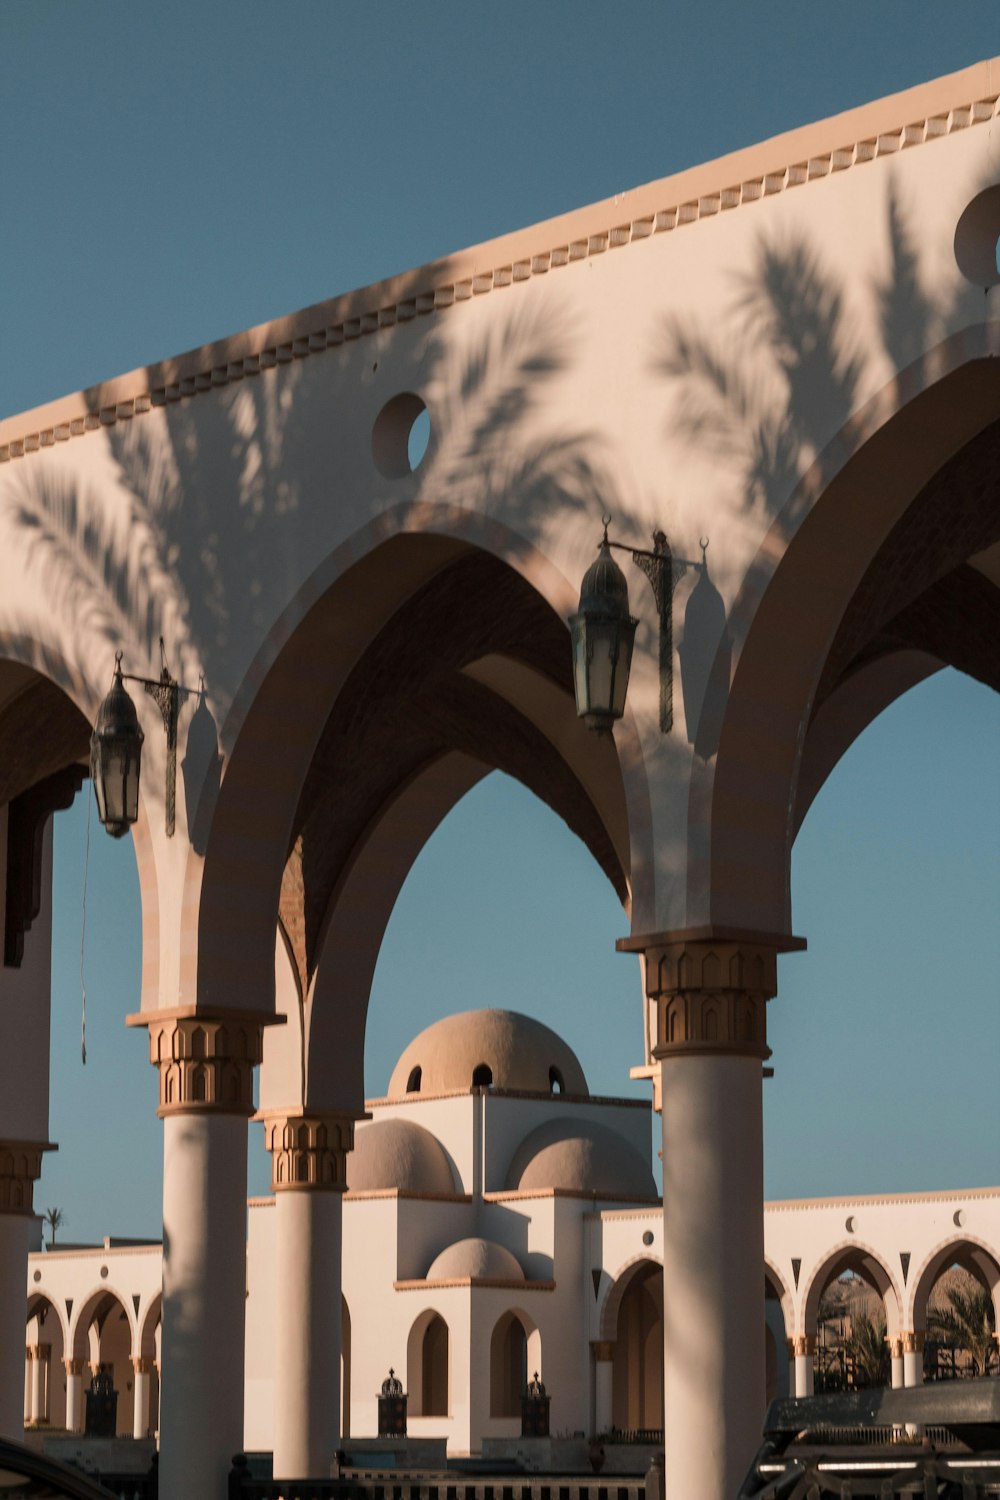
point(115, 755)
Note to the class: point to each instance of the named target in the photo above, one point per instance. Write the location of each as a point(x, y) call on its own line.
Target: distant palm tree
point(866, 1346)
point(53, 1218)
point(967, 1325)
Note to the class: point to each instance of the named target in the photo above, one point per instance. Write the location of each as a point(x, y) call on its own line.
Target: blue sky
point(172, 174)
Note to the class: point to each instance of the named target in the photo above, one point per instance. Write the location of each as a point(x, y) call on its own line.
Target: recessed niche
point(977, 239)
point(400, 436)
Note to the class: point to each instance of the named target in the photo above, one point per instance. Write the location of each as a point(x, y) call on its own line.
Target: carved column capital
point(206, 1063)
point(913, 1341)
point(39, 1351)
point(20, 1168)
point(141, 1365)
point(73, 1366)
point(711, 994)
point(309, 1150)
point(603, 1351)
point(805, 1345)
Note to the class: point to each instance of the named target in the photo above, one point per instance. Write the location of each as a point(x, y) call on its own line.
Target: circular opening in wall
point(104, 1273)
point(647, 1238)
point(37, 1276)
point(977, 239)
point(400, 436)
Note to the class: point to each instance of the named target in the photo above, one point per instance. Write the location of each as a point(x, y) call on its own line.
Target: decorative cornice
point(206, 1064)
point(309, 1151)
point(711, 995)
point(888, 1200)
point(436, 288)
point(20, 1168)
point(536, 1096)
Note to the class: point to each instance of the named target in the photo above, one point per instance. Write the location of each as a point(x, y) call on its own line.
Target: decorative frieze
point(20, 1168)
point(309, 1151)
point(205, 1063)
point(435, 299)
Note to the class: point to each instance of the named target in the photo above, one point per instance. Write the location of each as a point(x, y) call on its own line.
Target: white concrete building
point(499, 1220)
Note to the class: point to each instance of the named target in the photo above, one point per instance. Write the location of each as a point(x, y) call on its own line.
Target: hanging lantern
point(603, 634)
point(115, 753)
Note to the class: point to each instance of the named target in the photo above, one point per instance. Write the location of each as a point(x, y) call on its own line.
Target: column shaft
point(805, 1368)
point(713, 1186)
point(309, 1174)
point(206, 1065)
point(710, 991)
point(204, 1295)
point(140, 1395)
point(40, 1382)
point(913, 1358)
point(74, 1394)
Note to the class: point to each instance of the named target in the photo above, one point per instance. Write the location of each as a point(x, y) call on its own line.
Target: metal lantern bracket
point(664, 571)
point(165, 692)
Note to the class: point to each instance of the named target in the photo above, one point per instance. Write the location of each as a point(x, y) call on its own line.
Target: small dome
point(398, 1154)
point(580, 1157)
point(604, 590)
point(483, 1048)
point(474, 1257)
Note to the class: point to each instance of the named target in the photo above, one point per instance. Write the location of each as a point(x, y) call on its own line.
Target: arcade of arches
point(360, 642)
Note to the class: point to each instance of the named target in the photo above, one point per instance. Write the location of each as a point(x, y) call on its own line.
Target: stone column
point(141, 1367)
point(41, 1355)
point(206, 1097)
point(74, 1394)
point(896, 1353)
point(27, 1387)
point(805, 1369)
point(20, 1166)
point(604, 1354)
point(710, 989)
point(793, 1389)
point(309, 1176)
point(913, 1357)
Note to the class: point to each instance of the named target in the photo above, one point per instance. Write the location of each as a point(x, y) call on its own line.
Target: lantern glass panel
point(623, 665)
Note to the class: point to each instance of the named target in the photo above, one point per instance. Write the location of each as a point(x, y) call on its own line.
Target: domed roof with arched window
point(487, 1049)
point(580, 1156)
point(478, 1258)
point(398, 1154)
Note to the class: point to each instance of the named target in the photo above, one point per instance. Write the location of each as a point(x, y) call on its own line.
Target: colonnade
point(39, 1365)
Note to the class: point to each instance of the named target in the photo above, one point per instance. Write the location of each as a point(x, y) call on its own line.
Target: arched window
point(556, 1083)
point(434, 1369)
point(413, 1082)
point(509, 1366)
point(482, 1076)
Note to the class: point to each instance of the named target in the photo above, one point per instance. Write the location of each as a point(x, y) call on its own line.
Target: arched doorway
point(102, 1335)
point(428, 1366)
point(637, 1366)
point(515, 1355)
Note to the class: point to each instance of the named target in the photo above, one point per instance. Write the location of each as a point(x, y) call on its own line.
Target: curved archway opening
point(956, 1301)
point(428, 1366)
point(515, 1351)
point(852, 1309)
point(637, 1366)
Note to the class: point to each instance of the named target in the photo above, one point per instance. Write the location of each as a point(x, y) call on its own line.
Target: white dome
point(483, 1259)
point(398, 1154)
point(579, 1156)
point(495, 1047)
